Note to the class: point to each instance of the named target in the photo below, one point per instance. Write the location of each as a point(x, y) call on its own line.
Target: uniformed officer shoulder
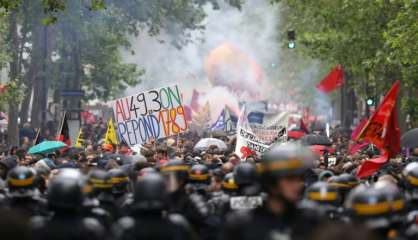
point(38, 222)
point(126, 222)
point(239, 217)
point(123, 225)
point(178, 219)
point(97, 211)
point(92, 224)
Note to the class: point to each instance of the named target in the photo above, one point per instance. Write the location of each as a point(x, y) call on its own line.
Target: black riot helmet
point(177, 167)
point(323, 193)
point(100, 181)
point(369, 206)
point(21, 182)
point(410, 179)
point(288, 159)
point(145, 171)
point(396, 200)
point(150, 193)
point(228, 184)
point(65, 191)
point(199, 174)
point(344, 183)
point(245, 174)
point(176, 173)
point(120, 181)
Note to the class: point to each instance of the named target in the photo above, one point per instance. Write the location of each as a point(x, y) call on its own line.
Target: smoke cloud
point(253, 31)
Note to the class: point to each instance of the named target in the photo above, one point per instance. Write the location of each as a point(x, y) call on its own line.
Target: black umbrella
point(410, 139)
point(315, 139)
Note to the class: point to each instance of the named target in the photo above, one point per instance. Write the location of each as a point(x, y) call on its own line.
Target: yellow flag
point(80, 141)
point(111, 137)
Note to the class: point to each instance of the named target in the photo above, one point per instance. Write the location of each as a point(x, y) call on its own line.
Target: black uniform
point(263, 224)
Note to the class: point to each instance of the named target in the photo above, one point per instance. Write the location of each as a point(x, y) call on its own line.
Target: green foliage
point(15, 91)
point(376, 41)
point(4, 56)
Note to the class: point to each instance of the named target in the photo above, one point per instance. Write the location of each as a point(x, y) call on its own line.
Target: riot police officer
point(101, 183)
point(369, 206)
point(283, 168)
point(120, 185)
point(344, 183)
point(324, 200)
point(192, 206)
point(199, 180)
point(23, 196)
point(147, 220)
point(65, 199)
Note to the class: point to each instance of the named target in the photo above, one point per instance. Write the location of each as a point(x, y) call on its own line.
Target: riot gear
point(370, 206)
point(23, 194)
point(150, 193)
point(199, 180)
point(21, 182)
point(65, 198)
point(150, 199)
point(282, 170)
point(326, 197)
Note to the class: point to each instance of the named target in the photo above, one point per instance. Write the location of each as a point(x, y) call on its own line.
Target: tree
point(363, 36)
point(73, 45)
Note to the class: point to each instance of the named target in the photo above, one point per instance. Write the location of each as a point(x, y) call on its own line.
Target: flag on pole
point(220, 123)
point(64, 132)
point(111, 137)
point(332, 81)
point(37, 139)
point(382, 128)
point(194, 104)
point(80, 139)
point(370, 166)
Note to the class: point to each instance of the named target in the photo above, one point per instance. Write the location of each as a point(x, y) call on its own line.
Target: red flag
point(357, 147)
point(370, 166)
point(332, 81)
point(358, 129)
point(194, 104)
point(382, 128)
point(64, 133)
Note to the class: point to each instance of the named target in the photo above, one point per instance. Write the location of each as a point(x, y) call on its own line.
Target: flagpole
point(62, 124)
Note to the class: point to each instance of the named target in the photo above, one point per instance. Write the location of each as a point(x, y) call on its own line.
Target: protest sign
point(249, 144)
point(271, 135)
point(153, 114)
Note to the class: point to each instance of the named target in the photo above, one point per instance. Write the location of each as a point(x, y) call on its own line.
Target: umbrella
point(205, 143)
point(47, 147)
point(410, 139)
point(314, 139)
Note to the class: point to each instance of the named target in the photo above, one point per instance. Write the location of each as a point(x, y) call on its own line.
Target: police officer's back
point(65, 200)
point(147, 220)
point(283, 168)
point(23, 196)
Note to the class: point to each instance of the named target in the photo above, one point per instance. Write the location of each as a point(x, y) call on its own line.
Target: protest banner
point(269, 135)
point(249, 144)
point(153, 114)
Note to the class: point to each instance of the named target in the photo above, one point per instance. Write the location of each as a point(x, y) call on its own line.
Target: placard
point(153, 114)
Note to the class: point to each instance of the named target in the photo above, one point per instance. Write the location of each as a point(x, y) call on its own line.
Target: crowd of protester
point(168, 190)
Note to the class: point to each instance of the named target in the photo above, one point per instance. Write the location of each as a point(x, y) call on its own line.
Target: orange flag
point(382, 128)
